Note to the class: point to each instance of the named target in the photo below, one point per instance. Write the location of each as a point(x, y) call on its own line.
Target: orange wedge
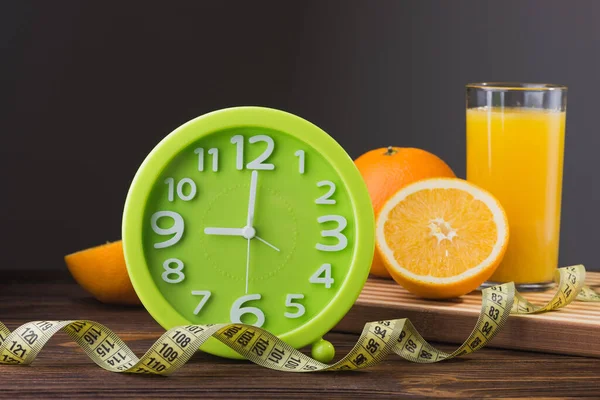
point(442, 237)
point(102, 272)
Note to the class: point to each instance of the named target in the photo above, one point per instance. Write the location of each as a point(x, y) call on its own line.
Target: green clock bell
point(249, 215)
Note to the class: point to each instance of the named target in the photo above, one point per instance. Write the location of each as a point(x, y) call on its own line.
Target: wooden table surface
point(62, 370)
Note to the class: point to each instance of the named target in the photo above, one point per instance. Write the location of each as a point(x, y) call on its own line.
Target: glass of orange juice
point(515, 147)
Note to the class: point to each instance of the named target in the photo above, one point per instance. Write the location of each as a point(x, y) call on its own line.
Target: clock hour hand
point(224, 231)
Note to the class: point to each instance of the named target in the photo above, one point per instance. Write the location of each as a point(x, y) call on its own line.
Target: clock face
point(250, 223)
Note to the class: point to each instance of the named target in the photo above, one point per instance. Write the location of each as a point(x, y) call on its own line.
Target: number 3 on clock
point(335, 233)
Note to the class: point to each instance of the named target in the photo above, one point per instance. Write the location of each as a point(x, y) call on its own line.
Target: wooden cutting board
point(574, 329)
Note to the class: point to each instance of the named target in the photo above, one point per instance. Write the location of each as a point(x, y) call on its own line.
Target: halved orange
point(102, 272)
point(442, 237)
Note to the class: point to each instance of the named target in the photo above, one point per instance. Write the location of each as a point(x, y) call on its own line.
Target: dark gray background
point(89, 87)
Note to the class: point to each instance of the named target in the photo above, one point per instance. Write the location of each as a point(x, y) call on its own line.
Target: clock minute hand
point(224, 231)
point(252, 199)
point(248, 232)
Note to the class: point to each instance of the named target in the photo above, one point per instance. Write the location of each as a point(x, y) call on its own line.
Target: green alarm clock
point(250, 215)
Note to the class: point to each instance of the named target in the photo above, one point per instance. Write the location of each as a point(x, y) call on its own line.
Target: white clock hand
point(248, 231)
point(247, 265)
point(224, 231)
point(252, 199)
point(267, 243)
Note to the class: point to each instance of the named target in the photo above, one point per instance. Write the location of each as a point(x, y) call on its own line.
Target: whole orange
point(387, 170)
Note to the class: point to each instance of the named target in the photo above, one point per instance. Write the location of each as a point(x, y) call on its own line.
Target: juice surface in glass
point(517, 155)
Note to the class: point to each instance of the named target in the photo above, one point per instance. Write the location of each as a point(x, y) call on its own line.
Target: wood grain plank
point(571, 330)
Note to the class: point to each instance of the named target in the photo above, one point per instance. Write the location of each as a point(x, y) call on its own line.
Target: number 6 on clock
point(237, 310)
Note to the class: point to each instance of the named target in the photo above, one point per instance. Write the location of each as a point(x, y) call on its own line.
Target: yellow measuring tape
point(378, 339)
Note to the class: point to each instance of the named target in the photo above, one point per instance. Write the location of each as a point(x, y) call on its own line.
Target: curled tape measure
point(378, 339)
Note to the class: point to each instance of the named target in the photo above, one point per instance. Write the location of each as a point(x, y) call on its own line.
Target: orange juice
point(517, 155)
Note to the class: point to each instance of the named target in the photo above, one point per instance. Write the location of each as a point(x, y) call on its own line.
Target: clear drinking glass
point(515, 148)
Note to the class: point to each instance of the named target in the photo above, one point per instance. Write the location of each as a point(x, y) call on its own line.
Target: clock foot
point(323, 351)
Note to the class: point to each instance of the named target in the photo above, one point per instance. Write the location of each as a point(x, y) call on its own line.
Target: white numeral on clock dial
point(215, 158)
point(336, 233)
point(322, 276)
point(180, 189)
point(325, 199)
point(238, 140)
point(235, 315)
point(289, 302)
point(205, 296)
point(176, 229)
point(301, 160)
point(170, 271)
point(258, 162)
